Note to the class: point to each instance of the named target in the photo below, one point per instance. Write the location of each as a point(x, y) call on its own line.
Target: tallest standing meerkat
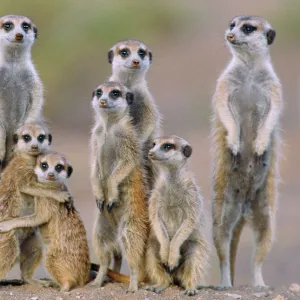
point(21, 90)
point(130, 61)
point(247, 105)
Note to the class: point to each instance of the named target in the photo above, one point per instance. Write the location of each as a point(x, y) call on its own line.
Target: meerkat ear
point(69, 171)
point(271, 34)
point(110, 56)
point(35, 31)
point(15, 138)
point(150, 57)
point(129, 98)
point(94, 93)
point(187, 151)
point(50, 138)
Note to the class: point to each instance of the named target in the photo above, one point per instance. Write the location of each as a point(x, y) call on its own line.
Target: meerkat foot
point(191, 292)
point(41, 283)
point(100, 205)
point(66, 287)
point(156, 288)
point(222, 287)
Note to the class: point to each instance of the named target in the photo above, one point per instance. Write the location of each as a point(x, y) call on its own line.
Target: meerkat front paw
point(233, 144)
point(173, 261)
point(111, 204)
point(5, 227)
point(100, 205)
point(260, 145)
point(191, 292)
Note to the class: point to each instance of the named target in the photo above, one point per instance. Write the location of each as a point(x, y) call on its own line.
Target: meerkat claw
point(111, 205)
point(100, 205)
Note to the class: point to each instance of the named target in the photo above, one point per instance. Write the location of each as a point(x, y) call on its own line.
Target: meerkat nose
point(230, 37)
point(34, 147)
point(102, 103)
point(135, 63)
point(19, 37)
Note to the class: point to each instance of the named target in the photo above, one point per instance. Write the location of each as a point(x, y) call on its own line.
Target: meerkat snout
point(135, 63)
point(230, 37)
point(19, 37)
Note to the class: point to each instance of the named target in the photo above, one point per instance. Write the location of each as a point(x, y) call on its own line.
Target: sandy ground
point(113, 291)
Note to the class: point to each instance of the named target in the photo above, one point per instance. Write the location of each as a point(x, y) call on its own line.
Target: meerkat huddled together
point(149, 205)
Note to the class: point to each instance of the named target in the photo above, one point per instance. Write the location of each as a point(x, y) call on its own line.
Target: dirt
point(118, 291)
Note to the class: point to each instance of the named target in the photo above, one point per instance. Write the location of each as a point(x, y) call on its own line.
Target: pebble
point(278, 297)
point(295, 288)
point(59, 298)
point(11, 293)
point(34, 298)
point(260, 295)
point(234, 296)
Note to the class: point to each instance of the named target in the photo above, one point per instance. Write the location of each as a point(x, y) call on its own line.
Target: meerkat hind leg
point(263, 229)
point(222, 237)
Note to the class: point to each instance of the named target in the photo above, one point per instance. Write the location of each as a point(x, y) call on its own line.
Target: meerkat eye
point(247, 29)
point(115, 94)
point(41, 138)
point(26, 138)
point(168, 147)
point(124, 53)
point(44, 166)
point(8, 26)
point(59, 168)
point(153, 145)
point(99, 93)
point(25, 26)
point(142, 53)
point(231, 26)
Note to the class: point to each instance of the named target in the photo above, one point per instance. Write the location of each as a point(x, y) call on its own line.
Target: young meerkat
point(18, 180)
point(117, 184)
point(177, 249)
point(63, 232)
point(130, 61)
point(21, 90)
point(247, 106)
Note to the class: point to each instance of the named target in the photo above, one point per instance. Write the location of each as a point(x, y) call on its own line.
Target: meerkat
point(21, 90)
point(67, 255)
point(117, 184)
point(247, 105)
point(130, 61)
point(17, 184)
point(177, 250)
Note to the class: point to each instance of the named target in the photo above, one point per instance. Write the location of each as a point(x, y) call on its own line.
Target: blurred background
point(189, 53)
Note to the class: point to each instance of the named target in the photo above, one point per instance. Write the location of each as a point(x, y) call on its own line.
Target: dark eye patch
point(115, 94)
point(99, 93)
point(25, 26)
point(167, 147)
point(232, 25)
point(59, 168)
point(124, 52)
point(142, 53)
point(247, 28)
point(41, 138)
point(8, 26)
point(44, 166)
point(26, 138)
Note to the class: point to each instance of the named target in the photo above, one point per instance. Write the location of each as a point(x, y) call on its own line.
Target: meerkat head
point(17, 31)
point(249, 34)
point(171, 150)
point(111, 97)
point(130, 56)
point(32, 138)
point(52, 167)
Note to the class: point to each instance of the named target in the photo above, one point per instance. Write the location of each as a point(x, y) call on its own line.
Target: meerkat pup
point(67, 256)
point(130, 61)
point(19, 180)
point(21, 90)
point(117, 184)
point(247, 105)
point(177, 249)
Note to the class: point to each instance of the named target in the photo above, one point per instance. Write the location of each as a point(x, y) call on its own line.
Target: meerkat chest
point(15, 92)
point(26, 205)
point(138, 109)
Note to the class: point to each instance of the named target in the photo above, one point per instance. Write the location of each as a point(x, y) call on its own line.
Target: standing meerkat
point(18, 180)
point(247, 105)
point(177, 249)
point(21, 90)
point(117, 184)
point(130, 61)
point(67, 255)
